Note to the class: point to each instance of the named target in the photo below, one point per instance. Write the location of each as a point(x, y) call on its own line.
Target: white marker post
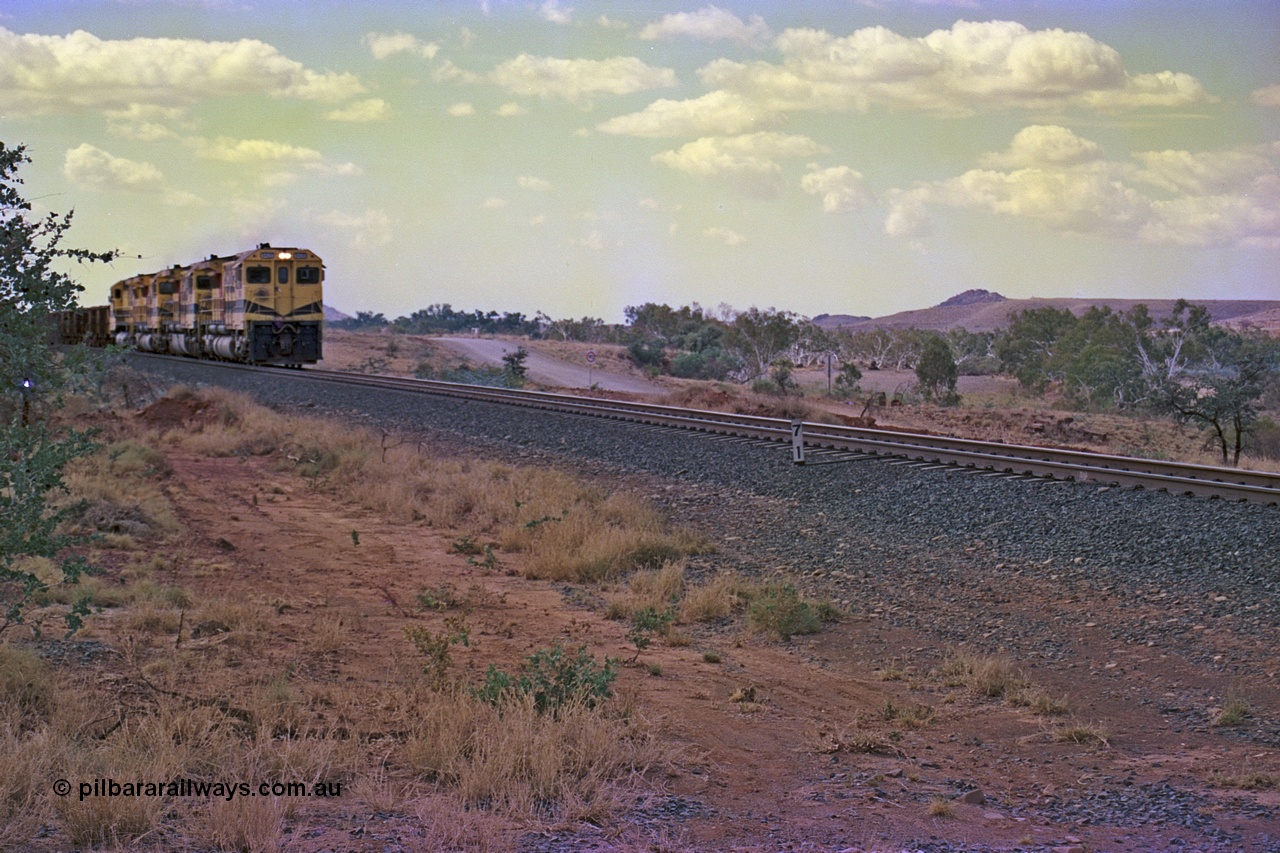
point(797, 441)
point(591, 360)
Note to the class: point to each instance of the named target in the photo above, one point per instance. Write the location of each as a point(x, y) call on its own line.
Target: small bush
point(434, 647)
point(778, 610)
point(645, 624)
point(553, 679)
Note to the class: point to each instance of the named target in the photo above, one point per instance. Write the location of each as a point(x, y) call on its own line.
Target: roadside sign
point(591, 356)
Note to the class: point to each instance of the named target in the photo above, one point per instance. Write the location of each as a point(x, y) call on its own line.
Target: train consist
point(263, 306)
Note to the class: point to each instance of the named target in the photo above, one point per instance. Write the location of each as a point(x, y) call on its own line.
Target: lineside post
point(797, 441)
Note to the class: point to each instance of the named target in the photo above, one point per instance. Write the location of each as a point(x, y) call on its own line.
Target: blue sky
point(578, 157)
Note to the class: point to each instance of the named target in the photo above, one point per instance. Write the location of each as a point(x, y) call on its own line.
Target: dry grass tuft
point(516, 760)
point(829, 740)
point(990, 676)
point(569, 531)
point(718, 598)
point(1039, 701)
point(941, 807)
point(1086, 734)
point(246, 824)
point(451, 825)
point(1234, 711)
point(650, 589)
point(1245, 780)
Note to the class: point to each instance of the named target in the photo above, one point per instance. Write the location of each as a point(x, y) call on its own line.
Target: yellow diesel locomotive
point(263, 306)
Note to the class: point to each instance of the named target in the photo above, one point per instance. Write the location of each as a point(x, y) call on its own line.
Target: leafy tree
point(1026, 349)
point(973, 351)
point(759, 338)
point(362, 320)
point(936, 371)
point(848, 378)
point(1097, 362)
point(647, 352)
point(32, 454)
point(1220, 394)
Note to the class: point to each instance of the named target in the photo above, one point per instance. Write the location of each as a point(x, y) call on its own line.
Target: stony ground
point(1144, 614)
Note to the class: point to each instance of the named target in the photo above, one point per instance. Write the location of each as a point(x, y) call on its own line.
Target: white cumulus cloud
point(577, 79)
point(1044, 145)
point(553, 12)
point(244, 151)
point(93, 168)
point(370, 110)
point(715, 113)
point(842, 188)
point(1267, 96)
point(383, 45)
point(461, 110)
point(529, 182)
point(1064, 183)
point(80, 71)
point(367, 230)
point(994, 65)
point(724, 235)
point(710, 23)
point(146, 122)
point(749, 160)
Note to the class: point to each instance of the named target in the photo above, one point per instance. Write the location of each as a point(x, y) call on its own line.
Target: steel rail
point(1058, 463)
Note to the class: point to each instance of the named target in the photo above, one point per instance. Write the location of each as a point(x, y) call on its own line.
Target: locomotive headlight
point(284, 256)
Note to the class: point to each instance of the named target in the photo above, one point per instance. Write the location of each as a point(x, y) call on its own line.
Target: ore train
point(263, 306)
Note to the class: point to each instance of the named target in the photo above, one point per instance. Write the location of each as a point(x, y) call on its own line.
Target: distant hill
point(332, 314)
point(983, 311)
point(972, 297)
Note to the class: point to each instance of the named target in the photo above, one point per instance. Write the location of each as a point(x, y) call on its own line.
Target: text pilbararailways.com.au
point(196, 788)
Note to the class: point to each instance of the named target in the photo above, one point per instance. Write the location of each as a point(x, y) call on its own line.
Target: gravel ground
point(913, 546)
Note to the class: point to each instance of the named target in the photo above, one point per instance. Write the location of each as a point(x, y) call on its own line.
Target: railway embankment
point(1148, 612)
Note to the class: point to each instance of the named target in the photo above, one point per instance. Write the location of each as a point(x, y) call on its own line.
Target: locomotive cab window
point(257, 275)
point(204, 282)
point(282, 274)
point(167, 288)
point(308, 275)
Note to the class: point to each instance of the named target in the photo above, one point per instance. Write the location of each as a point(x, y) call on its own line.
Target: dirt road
point(546, 370)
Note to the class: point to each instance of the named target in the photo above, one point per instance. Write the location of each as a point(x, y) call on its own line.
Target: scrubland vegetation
point(173, 691)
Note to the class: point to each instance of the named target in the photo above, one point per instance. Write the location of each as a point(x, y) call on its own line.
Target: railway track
point(841, 443)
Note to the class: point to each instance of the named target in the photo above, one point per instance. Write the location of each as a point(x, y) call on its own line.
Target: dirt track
point(546, 370)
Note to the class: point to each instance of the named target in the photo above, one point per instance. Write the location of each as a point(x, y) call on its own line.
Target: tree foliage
point(760, 338)
point(32, 454)
point(1220, 391)
point(936, 371)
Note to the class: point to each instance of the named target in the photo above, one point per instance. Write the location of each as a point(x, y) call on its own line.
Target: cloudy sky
point(824, 156)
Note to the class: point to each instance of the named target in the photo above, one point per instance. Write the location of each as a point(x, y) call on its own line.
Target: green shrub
point(646, 623)
point(778, 610)
point(554, 678)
